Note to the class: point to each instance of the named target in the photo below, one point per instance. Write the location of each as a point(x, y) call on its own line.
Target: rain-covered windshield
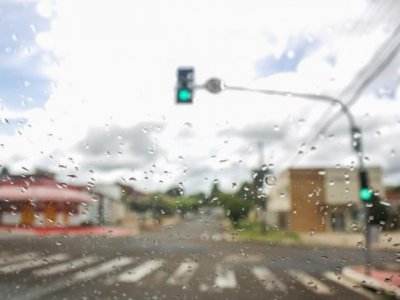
point(199, 149)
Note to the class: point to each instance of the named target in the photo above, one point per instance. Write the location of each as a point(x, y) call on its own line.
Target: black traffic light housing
point(185, 85)
point(365, 192)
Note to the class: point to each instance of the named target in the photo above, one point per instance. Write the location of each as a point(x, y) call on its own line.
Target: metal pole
point(216, 85)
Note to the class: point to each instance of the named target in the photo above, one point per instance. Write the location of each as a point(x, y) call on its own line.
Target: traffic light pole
point(216, 85)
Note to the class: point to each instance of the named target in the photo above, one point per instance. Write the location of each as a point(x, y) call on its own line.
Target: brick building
point(320, 199)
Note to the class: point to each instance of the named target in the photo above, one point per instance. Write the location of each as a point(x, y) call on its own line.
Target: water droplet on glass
point(270, 179)
point(276, 128)
point(321, 173)
point(313, 149)
point(331, 182)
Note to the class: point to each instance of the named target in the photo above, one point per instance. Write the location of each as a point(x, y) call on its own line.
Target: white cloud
point(116, 64)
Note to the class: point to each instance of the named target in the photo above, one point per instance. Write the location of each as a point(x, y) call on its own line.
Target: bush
point(235, 208)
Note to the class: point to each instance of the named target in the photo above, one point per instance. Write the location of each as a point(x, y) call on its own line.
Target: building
point(39, 200)
point(320, 199)
point(393, 201)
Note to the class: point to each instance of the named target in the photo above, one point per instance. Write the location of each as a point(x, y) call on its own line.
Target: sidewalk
point(70, 231)
point(387, 240)
point(379, 280)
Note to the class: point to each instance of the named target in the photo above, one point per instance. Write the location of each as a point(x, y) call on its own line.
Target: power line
point(378, 66)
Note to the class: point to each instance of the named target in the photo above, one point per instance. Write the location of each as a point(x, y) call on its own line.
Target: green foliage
point(246, 192)
point(161, 206)
point(186, 204)
point(235, 208)
point(256, 232)
point(174, 192)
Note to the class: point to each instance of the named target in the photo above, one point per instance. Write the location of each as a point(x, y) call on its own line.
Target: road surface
point(191, 260)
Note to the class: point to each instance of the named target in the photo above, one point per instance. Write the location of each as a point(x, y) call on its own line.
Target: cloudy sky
point(87, 87)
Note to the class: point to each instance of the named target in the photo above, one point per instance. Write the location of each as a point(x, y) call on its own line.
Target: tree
point(246, 192)
point(174, 192)
point(235, 208)
point(214, 195)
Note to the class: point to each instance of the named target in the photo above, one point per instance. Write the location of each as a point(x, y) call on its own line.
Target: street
point(187, 261)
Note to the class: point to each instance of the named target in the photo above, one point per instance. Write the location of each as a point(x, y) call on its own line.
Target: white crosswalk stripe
point(350, 285)
point(183, 273)
point(68, 266)
point(6, 260)
point(30, 264)
point(268, 279)
point(90, 267)
point(102, 269)
point(225, 277)
point(310, 282)
point(141, 271)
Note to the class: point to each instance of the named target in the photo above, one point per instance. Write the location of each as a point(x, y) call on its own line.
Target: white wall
point(342, 185)
point(279, 198)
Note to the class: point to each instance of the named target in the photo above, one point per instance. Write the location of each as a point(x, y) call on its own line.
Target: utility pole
point(216, 85)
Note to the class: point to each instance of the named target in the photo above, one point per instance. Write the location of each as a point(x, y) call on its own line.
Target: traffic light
point(184, 89)
point(365, 192)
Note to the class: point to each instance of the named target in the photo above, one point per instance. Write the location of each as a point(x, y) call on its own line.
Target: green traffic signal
point(184, 95)
point(365, 194)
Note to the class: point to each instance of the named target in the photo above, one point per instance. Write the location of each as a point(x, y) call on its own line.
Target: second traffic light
point(185, 85)
point(365, 192)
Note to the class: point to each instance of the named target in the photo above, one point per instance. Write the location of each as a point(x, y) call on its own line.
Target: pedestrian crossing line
point(349, 284)
point(68, 266)
point(102, 269)
point(138, 273)
point(17, 258)
point(30, 264)
point(183, 273)
point(225, 277)
point(310, 282)
point(268, 279)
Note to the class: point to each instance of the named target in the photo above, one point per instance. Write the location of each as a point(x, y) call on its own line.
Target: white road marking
point(310, 282)
point(68, 266)
point(40, 292)
point(268, 279)
point(40, 261)
point(141, 271)
point(349, 284)
point(183, 273)
point(225, 277)
point(17, 258)
point(101, 269)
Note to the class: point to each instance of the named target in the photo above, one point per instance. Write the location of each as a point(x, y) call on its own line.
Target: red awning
point(42, 193)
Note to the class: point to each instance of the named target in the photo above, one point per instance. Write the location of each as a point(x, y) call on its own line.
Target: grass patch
point(249, 231)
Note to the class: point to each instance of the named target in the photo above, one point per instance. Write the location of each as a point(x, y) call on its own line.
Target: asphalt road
point(187, 261)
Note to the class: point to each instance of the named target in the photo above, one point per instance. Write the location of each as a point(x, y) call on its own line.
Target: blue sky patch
point(22, 86)
point(297, 49)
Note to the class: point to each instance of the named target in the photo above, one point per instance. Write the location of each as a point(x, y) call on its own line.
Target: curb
point(370, 282)
point(78, 231)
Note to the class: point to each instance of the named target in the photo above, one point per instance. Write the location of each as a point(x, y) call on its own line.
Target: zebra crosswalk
point(133, 270)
